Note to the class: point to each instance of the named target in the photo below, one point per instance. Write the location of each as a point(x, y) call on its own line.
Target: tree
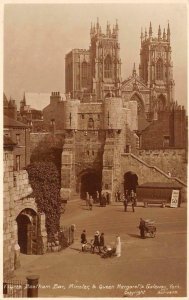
point(45, 182)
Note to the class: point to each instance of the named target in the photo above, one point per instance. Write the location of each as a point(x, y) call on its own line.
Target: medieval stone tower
point(93, 73)
point(156, 67)
point(105, 60)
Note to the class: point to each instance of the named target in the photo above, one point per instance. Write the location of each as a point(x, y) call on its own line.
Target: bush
point(45, 182)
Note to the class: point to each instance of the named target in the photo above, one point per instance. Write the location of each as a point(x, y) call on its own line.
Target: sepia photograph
point(95, 149)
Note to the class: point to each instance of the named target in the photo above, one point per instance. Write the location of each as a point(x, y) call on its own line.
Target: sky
point(38, 36)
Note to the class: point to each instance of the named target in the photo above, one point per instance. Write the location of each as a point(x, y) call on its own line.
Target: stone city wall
point(16, 197)
point(168, 160)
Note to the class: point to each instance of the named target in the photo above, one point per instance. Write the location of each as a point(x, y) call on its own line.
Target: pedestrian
point(103, 202)
point(142, 228)
point(97, 196)
point(133, 201)
point(102, 242)
point(87, 198)
point(90, 202)
point(83, 240)
point(125, 202)
point(96, 243)
point(107, 198)
point(116, 199)
point(119, 196)
point(118, 246)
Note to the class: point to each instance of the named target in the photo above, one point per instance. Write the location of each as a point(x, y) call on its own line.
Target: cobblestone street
point(150, 267)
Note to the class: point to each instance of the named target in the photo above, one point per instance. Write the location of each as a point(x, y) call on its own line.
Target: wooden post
point(32, 286)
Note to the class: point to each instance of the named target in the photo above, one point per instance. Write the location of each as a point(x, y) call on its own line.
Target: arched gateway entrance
point(89, 180)
point(27, 222)
point(130, 181)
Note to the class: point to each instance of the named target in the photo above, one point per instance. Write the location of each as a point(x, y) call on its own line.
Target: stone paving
point(154, 267)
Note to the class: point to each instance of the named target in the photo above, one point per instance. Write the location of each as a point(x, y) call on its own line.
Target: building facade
point(103, 117)
point(94, 72)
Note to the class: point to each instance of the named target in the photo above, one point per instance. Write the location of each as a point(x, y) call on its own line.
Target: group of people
point(129, 197)
point(103, 199)
point(99, 243)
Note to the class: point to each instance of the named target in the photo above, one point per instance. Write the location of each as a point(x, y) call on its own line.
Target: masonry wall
point(168, 160)
point(16, 197)
point(8, 209)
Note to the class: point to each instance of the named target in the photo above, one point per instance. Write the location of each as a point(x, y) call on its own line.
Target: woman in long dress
point(118, 246)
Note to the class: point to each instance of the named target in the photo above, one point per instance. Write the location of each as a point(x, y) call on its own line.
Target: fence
point(66, 236)
point(64, 239)
point(14, 289)
point(21, 289)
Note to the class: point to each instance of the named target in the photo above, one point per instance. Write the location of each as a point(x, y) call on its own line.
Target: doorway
point(90, 182)
point(130, 181)
point(27, 224)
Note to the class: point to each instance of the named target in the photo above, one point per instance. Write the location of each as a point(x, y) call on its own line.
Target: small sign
point(175, 198)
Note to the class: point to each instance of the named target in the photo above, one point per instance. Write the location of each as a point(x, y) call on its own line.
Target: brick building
point(19, 134)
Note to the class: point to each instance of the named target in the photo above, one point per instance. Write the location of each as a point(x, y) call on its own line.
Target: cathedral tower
point(105, 61)
point(156, 68)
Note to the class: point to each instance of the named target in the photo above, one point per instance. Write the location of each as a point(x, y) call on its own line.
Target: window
point(166, 141)
point(84, 74)
point(159, 70)
point(108, 67)
point(14, 181)
point(52, 122)
point(90, 123)
point(128, 149)
point(82, 116)
point(18, 139)
point(17, 162)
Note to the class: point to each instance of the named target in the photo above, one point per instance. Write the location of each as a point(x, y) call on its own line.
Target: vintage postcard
point(95, 149)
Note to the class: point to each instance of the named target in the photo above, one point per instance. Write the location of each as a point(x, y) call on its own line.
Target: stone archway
point(27, 225)
point(89, 180)
point(130, 181)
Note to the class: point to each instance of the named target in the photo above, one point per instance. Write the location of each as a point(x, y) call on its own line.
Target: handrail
point(156, 168)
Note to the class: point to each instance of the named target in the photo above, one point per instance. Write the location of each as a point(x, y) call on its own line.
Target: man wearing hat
point(96, 243)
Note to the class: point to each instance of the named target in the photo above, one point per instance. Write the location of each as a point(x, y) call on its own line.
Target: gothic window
point(18, 139)
point(17, 162)
point(166, 141)
point(108, 67)
point(90, 123)
point(159, 70)
point(84, 74)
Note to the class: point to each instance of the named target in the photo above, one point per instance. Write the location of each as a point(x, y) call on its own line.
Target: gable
point(134, 83)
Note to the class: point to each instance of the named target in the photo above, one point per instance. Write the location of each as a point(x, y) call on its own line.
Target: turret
point(164, 35)
point(116, 28)
point(70, 115)
point(150, 30)
point(134, 70)
point(141, 36)
point(145, 34)
point(108, 30)
point(97, 26)
point(168, 33)
point(113, 113)
point(159, 33)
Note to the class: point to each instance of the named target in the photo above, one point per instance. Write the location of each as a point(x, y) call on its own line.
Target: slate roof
point(9, 122)
point(163, 185)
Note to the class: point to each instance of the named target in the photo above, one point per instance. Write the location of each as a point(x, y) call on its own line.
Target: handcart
point(150, 228)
